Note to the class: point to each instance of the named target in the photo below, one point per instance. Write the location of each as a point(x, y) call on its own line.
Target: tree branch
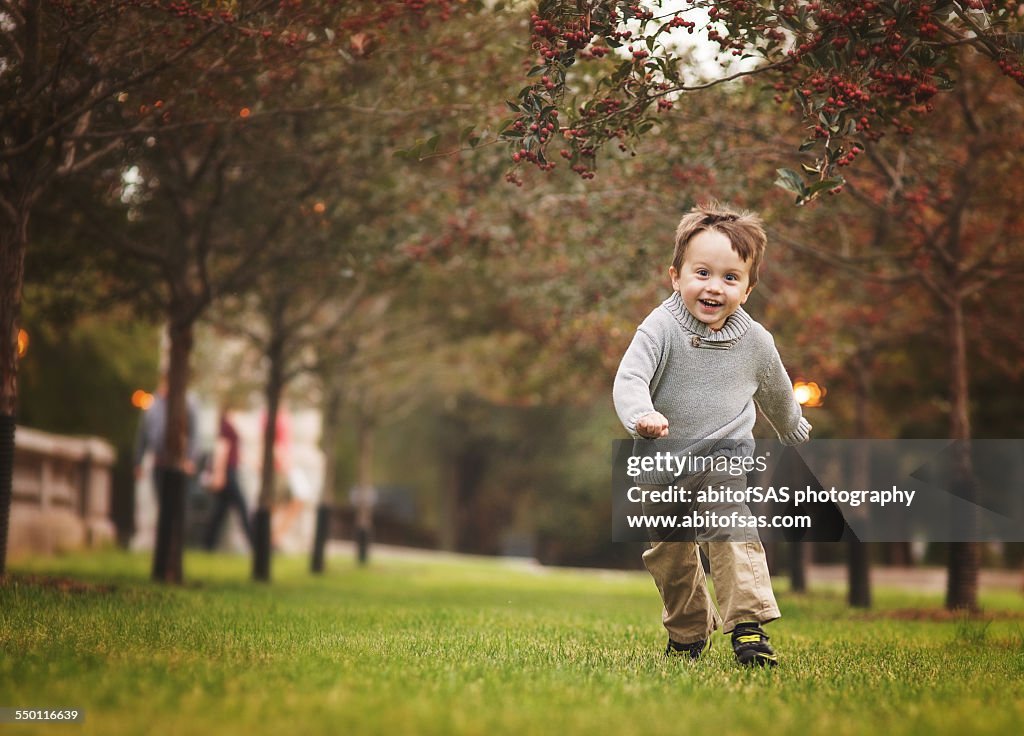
point(965, 16)
point(77, 111)
point(87, 161)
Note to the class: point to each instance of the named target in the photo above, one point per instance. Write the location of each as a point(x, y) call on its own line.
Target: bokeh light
point(142, 399)
point(809, 393)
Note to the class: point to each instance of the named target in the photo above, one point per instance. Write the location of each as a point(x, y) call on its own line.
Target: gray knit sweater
point(706, 382)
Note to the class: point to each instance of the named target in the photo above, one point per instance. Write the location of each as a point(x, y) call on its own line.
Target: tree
point(855, 69)
point(291, 312)
point(945, 223)
point(70, 73)
point(82, 84)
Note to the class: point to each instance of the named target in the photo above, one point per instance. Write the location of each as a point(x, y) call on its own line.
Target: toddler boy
point(695, 369)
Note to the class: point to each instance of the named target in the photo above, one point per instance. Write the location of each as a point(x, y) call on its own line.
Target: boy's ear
point(674, 275)
point(749, 289)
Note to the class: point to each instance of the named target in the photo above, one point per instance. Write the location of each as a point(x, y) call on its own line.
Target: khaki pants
point(738, 569)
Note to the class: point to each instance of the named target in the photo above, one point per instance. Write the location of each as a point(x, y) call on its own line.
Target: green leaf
point(791, 181)
point(625, 68)
point(822, 186)
point(414, 152)
point(464, 134)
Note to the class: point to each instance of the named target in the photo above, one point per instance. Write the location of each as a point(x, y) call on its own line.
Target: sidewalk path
point(924, 579)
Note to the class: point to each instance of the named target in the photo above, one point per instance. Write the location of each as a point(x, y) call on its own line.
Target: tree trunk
point(964, 557)
point(447, 509)
point(261, 545)
point(798, 567)
point(320, 535)
point(172, 479)
point(264, 512)
point(169, 547)
point(13, 240)
point(328, 439)
point(858, 555)
point(475, 531)
point(365, 490)
point(6, 476)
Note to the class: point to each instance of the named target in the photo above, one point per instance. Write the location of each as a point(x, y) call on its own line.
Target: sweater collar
point(734, 328)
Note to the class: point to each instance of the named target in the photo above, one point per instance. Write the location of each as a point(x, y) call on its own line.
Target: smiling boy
point(695, 370)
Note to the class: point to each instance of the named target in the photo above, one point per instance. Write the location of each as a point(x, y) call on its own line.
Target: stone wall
point(61, 493)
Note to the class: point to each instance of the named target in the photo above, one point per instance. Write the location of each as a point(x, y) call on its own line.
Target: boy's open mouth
point(710, 303)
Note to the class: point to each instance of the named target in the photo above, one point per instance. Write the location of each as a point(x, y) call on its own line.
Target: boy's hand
point(652, 426)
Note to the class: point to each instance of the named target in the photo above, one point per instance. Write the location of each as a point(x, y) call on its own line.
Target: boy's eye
point(730, 277)
point(702, 272)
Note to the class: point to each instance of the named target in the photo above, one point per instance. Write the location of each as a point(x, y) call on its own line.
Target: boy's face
point(713, 280)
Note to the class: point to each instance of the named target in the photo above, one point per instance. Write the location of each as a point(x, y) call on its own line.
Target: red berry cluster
point(681, 22)
point(859, 69)
point(551, 40)
point(1013, 69)
point(846, 157)
point(594, 52)
point(559, 38)
point(639, 12)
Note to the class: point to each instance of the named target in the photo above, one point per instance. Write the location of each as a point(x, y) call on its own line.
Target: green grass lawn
point(475, 647)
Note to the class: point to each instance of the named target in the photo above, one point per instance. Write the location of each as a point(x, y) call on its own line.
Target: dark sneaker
point(675, 649)
point(751, 646)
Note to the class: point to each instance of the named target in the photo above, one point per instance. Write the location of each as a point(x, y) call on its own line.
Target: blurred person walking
point(149, 439)
point(223, 481)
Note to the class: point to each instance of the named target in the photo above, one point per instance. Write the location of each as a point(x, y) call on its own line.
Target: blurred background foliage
point(475, 326)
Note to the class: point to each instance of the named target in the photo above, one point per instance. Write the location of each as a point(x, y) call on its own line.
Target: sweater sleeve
point(631, 392)
point(775, 398)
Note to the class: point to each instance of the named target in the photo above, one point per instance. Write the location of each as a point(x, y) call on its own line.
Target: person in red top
point(223, 482)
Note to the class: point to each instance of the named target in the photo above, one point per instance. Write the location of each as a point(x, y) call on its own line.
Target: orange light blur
point(319, 208)
point(142, 400)
point(809, 394)
point(22, 343)
point(244, 112)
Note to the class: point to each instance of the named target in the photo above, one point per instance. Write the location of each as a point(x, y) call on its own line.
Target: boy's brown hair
point(744, 230)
